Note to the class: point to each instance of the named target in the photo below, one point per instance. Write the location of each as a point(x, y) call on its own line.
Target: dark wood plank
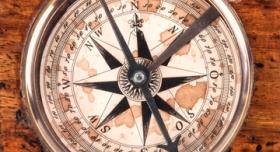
point(261, 130)
point(15, 17)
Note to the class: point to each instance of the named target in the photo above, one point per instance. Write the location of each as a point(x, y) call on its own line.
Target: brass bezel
point(37, 38)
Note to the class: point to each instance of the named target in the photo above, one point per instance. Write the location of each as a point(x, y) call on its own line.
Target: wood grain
point(261, 130)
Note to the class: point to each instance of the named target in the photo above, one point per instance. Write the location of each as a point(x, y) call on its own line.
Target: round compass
point(136, 75)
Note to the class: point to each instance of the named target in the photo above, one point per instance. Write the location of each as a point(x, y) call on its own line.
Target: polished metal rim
point(39, 32)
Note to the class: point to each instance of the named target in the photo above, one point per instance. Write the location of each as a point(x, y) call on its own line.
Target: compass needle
point(136, 75)
point(200, 24)
point(119, 35)
point(169, 59)
point(171, 146)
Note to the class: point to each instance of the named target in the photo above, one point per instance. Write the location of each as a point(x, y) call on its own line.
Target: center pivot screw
point(139, 78)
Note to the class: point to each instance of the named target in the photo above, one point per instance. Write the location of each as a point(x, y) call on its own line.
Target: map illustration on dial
point(137, 76)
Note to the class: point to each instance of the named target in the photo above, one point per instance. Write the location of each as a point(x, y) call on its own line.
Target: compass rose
point(138, 84)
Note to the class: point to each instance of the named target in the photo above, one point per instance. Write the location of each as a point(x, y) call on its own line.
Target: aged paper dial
point(93, 97)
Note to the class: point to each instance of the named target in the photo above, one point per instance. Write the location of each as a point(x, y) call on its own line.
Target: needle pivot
point(130, 81)
point(139, 78)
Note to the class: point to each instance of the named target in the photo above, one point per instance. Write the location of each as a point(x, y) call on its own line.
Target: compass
point(136, 75)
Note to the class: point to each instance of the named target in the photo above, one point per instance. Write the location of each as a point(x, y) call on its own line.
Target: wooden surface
point(261, 130)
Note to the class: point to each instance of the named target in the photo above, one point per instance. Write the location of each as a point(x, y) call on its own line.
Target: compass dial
point(94, 101)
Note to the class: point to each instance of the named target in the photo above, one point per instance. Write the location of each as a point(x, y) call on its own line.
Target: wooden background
point(261, 130)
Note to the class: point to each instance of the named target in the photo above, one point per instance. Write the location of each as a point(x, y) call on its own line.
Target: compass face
point(92, 101)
